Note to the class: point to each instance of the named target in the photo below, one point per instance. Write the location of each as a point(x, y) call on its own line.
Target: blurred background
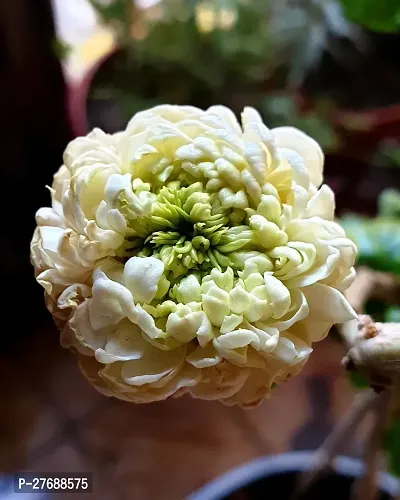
point(329, 67)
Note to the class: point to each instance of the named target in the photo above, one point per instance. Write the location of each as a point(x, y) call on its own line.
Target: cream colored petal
point(204, 357)
point(255, 390)
point(189, 290)
point(73, 296)
point(231, 322)
point(123, 344)
point(303, 145)
point(291, 350)
point(111, 301)
point(227, 116)
point(328, 303)
point(84, 330)
point(299, 172)
point(146, 323)
point(216, 305)
point(220, 381)
point(141, 277)
point(322, 204)
point(299, 309)
point(328, 306)
point(49, 217)
point(152, 366)
point(188, 327)
point(278, 294)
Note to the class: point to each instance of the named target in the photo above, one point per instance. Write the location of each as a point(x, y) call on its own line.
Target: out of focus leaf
point(392, 315)
point(387, 155)
point(391, 445)
point(389, 203)
point(377, 240)
point(358, 381)
point(281, 110)
point(382, 16)
point(279, 106)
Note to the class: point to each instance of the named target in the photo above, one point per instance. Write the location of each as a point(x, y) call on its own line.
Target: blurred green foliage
point(376, 15)
point(214, 40)
point(222, 51)
point(392, 314)
point(389, 204)
point(188, 52)
point(391, 444)
point(378, 239)
point(281, 110)
point(387, 154)
point(358, 381)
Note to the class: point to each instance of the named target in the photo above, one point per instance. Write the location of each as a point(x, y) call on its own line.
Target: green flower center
point(188, 230)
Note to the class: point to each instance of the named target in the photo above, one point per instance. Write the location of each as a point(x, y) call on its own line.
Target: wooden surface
point(52, 420)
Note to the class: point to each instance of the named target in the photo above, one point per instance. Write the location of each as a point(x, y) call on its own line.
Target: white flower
point(189, 254)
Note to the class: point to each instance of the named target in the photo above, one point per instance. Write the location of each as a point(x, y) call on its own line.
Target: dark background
point(34, 132)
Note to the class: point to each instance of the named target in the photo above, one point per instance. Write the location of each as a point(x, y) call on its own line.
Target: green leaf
point(391, 445)
point(382, 16)
point(392, 315)
point(387, 154)
point(279, 106)
point(389, 203)
point(281, 110)
point(377, 240)
point(358, 381)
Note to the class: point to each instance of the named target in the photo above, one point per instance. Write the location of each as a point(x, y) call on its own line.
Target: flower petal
point(141, 277)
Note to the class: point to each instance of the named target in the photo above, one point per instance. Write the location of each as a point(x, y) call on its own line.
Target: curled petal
point(204, 357)
point(141, 277)
point(304, 146)
point(124, 344)
point(153, 366)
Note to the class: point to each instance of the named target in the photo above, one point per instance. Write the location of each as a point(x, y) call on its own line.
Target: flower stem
point(337, 440)
point(366, 487)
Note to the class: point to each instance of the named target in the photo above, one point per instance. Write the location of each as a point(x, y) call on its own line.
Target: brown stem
point(337, 440)
point(366, 487)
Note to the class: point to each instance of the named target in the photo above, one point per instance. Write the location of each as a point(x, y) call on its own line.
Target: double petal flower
point(192, 254)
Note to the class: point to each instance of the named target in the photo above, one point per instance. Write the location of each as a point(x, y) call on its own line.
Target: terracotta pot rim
point(78, 93)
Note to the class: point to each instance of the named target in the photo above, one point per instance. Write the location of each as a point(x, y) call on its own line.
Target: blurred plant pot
point(111, 89)
point(105, 88)
point(275, 477)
